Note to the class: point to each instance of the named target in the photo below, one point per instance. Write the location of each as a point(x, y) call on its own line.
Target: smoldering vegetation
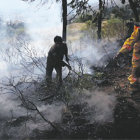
point(32, 108)
point(78, 109)
point(62, 109)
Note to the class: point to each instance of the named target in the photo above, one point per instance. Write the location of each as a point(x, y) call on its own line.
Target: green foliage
point(113, 28)
point(83, 18)
point(98, 75)
point(16, 29)
point(86, 82)
point(122, 12)
point(92, 29)
point(72, 88)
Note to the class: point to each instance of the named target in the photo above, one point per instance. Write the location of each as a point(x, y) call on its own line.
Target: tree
point(100, 19)
point(134, 4)
point(64, 16)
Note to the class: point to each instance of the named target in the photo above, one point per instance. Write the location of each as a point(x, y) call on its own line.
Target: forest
point(94, 91)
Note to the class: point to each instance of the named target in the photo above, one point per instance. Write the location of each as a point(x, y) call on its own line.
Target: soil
point(74, 123)
point(126, 122)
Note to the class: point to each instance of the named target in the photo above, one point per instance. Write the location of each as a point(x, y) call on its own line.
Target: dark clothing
point(55, 60)
point(130, 26)
point(58, 51)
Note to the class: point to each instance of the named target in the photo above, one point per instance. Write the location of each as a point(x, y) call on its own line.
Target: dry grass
point(76, 31)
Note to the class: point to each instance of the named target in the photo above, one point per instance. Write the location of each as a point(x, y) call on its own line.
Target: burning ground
point(94, 101)
point(96, 105)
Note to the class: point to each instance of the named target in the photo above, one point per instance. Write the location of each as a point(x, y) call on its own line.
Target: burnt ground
point(127, 111)
point(74, 123)
point(126, 115)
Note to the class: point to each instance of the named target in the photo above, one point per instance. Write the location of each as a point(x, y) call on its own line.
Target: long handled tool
point(68, 65)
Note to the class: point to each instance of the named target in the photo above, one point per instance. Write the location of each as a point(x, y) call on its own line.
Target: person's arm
point(66, 53)
point(63, 64)
point(128, 44)
point(51, 51)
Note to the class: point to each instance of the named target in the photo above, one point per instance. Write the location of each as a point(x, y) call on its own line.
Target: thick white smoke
point(41, 28)
point(9, 107)
point(92, 52)
point(41, 39)
point(103, 105)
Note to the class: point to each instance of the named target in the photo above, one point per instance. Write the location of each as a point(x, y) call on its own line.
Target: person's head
point(137, 24)
point(131, 20)
point(58, 39)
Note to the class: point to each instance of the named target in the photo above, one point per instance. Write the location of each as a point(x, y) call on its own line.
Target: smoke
point(22, 127)
point(91, 52)
point(42, 39)
point(53, 112)
point(103, 106)
point(98, 105)
point(17, 53)
point(40, 29)
point(9, 107)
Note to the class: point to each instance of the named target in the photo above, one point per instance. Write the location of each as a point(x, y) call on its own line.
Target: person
point(130, 26)
point(133, 43)
point(55, 59)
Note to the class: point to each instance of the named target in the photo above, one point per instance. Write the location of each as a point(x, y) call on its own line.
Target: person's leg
point(134, 80)
point(136, 63)
point(137, 75)
point(59, 74)
point(49, 70)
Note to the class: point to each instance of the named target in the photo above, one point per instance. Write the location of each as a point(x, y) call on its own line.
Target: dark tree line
point(64, 15)
point(134, 4)
point(82, 6)
point(101, 7)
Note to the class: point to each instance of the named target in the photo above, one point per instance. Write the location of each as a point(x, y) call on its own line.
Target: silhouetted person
point(55, 59)
point(133, 44)
point(130, 26)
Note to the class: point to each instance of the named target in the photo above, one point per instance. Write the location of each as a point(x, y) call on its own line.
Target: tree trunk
point(64, 15)
point(100, 20)
point(134, 9)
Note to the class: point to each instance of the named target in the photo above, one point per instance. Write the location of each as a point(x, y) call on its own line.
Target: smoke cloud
point(103, 106)
point(84, 48)
point(9, 106)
